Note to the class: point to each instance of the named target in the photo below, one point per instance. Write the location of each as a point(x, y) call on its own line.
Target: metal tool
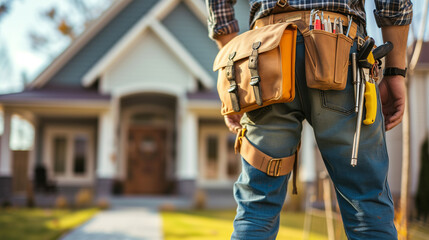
point(355, 81)
point(363, 70)
point(350, 25)
point(312, 13)
point(366, 60)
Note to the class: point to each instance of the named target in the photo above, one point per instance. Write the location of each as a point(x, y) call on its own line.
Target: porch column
point(106, 156)
point(5, 159)
point(187, 169)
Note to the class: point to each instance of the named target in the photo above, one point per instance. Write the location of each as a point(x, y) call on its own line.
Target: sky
point(26, 16)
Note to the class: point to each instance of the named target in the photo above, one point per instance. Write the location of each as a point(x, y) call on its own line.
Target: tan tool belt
point(304, 16)
point(326, 53)
point(273, 167)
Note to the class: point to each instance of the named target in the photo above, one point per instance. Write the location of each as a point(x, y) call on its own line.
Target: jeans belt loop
point(282, 3)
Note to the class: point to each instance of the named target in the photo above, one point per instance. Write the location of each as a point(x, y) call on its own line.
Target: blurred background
point(108, 105)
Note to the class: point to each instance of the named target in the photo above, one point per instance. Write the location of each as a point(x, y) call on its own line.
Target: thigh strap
point(273, 167)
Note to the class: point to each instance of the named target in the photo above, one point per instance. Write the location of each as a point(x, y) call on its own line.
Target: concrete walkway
point(117, 224)
point(138, 218)
point(129, 218)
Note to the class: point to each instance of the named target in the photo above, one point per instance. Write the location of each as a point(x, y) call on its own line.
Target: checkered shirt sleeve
point(393, 12)
point(221, 19)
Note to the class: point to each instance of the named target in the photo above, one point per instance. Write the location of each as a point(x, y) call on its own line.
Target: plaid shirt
point(221, 19)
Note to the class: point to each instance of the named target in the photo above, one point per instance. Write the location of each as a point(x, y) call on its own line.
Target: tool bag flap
point(271, 79)
point(269, 36)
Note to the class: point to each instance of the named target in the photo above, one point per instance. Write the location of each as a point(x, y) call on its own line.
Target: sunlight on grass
point(214, 225)
point(40, 224)
point(71, 220)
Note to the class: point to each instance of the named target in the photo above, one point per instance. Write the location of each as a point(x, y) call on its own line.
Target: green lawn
point(40, 224)
point(215, 225)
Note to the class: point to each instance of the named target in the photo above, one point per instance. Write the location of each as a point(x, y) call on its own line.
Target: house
point(130, 105)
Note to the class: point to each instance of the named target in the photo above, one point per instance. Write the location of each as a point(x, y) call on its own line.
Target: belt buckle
point(276, 164)
point(282, 3)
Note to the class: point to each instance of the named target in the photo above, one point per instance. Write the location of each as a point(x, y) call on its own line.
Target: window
point(69, 154)
point(80, 154)
point(219, 163)
point(233, 160)
point(212, 157)
point(60, 145)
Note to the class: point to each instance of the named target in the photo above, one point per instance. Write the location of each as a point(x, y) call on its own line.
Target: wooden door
point(146, 161)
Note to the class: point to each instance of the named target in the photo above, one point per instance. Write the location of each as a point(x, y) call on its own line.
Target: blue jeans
point(362, 192)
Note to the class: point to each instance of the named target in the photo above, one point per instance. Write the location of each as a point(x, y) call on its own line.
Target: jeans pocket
point(339, 101)
point(258, 113)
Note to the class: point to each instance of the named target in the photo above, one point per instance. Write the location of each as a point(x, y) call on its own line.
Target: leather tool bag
point(257, 68)
point(326, 59)
point(326, 53)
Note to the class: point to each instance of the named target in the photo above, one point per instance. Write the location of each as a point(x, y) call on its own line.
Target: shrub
point(103, 203)
point(83, 198)
point(61, 202)
point(200, 199)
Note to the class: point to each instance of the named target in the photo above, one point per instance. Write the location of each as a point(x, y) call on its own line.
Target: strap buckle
point(274, 166)
point(282, 3)
point(254, 73)
point(233, 88)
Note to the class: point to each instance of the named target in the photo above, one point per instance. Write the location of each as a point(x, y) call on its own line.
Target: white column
point(307, 171)
point(187, 167)
point(32, 156)
point(106, 149)
point(6, 155)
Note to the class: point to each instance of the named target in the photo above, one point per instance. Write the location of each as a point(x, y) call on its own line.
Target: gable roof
point(78, 44)
point(152, 21)
point(102, 39)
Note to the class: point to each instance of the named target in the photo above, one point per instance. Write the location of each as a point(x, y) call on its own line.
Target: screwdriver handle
point(370, 103)
point(382, 50)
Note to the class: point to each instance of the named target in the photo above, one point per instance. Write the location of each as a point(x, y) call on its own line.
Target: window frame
point(222, 179)
point(70, 133)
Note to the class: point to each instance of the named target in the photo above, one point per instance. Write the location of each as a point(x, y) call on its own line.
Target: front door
point(146, 160)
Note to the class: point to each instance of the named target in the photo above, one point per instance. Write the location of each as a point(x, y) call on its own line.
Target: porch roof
point(55, 96)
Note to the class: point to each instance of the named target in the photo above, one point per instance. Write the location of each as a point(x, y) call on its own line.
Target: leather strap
point(273, 167)
point(255, 79)
point(233, 87)
point(293, 16)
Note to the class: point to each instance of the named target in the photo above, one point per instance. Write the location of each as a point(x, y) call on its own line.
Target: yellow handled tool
point(370, 103)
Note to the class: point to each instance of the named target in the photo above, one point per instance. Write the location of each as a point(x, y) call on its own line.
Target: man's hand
point(224, 39)
point(392, 88)
point(392, 93)
point(233, 122)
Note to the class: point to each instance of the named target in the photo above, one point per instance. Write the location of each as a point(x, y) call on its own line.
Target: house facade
point(130, 106)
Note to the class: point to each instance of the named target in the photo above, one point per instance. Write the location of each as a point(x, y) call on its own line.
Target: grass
point(211, 225)
point(215, 225)
point(40, 224)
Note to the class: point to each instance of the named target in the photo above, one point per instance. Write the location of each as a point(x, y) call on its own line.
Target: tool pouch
point(326, 59)
point(257, 68)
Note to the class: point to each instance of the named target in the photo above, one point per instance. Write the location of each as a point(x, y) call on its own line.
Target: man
point(362, 191)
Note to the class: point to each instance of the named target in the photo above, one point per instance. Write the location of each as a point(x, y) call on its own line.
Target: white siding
point(394, 149)
point(147, 65)
point(419, 100)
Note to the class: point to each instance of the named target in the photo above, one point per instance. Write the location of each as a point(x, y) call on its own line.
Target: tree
point(5, 64)
point(65, 21)
point(67, 24)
